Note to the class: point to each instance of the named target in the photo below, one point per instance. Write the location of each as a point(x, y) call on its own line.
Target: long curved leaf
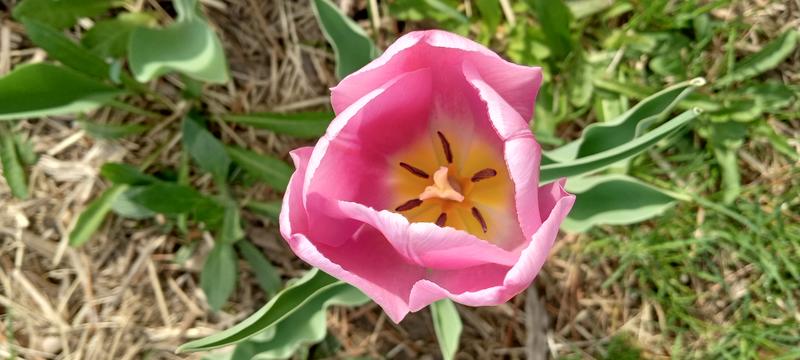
point(770, 56)
point(63, 49)
point(600, 160)
point(42, 89)
point(277, 309)
point(352, 46)
point(598, 201)
point(306, 125)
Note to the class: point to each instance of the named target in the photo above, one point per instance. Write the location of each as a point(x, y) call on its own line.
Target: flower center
point(457, 193)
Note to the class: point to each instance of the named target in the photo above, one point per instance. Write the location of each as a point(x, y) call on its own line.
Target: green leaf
point(127, 208)
point(188, 46)
point(554, 20)
point(599, 137)
point(206, 150)
point(305, 326)
point(61, 13)
point(276, 310)
point(126, 174)
point(218, 278)
point(352, 46)
point(265, 273)
point(447, 325)
point(272, 171)
point(63, 49)
point(271, 209)
point(168, 198)
point(38, 90)
point(769, 57)
point(598, 201)
point(231, 230)
point(600, 160)
point(92, 217)
point(110, 38)
point(306, 125)
point(13, 171)
point(112, 131)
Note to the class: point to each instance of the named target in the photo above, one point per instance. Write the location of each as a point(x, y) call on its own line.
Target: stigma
point(442, 188)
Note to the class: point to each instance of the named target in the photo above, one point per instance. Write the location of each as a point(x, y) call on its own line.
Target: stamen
point(441, 219)
point(483, 175)
point(408, 205)
point(415, 171)
point(477, 215)
point(446, 145)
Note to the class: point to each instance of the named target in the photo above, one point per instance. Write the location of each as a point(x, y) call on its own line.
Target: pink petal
point(522, 153)
point(293, 217)
point(456, 286)
point(517, 84)
point(427, 244)
point(368, 262)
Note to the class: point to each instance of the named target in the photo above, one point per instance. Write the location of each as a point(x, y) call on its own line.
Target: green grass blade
point(94, 214)
point(270, 209)
point(206, 150)
point(66, 51)
point(61, 14)
point(13, 170)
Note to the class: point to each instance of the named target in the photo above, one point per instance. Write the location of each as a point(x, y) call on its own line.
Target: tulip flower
point(426, 184)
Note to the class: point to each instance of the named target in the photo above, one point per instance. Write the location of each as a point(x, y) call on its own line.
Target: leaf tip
point(698, 81)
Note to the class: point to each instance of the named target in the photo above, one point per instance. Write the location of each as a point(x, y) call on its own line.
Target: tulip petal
point(368, 262)
point(517, 84)
point(427, 244)
point(522, 153)
point(472, 288)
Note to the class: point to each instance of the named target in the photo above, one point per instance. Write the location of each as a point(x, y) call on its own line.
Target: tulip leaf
point(447, 325)
point(92, 217)
point(599, 137)
point(110, 38)
point(770, 56)
point(188, 46)
point(605, 158)
point(290, 299)
point(219, 276)
point(61, 14)
point(66, 51)
point(305, 326)
point(306, 125)
point(206, 150)
point(268, 169)
point(13, 170)
point(265, 273)
point(352, 46)
point(41, 89)
point(598, 201)
point(270, 209)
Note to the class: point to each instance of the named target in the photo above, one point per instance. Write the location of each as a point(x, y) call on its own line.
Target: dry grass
point(123, 297)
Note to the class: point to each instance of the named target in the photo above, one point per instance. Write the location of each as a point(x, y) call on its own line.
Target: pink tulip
point(426, 184)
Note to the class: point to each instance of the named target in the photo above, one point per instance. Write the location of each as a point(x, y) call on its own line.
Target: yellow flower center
point(456, 183)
